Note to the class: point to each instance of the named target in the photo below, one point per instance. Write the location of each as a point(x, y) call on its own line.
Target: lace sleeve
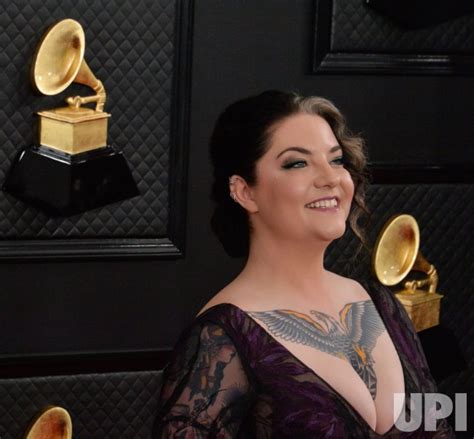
point(205, 390)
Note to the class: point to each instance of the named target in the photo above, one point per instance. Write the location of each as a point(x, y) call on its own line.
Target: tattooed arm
point(205, 390)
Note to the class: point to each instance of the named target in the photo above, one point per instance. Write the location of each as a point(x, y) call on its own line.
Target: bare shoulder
point(228, 294)
point(353, 289)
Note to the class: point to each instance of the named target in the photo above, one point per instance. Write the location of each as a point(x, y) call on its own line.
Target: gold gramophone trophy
point(73, 169)
point(396, 253)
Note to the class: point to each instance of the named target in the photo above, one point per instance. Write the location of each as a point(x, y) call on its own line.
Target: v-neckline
point(311, 371)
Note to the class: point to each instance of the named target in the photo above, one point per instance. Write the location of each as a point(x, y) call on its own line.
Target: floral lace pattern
point(228, 378)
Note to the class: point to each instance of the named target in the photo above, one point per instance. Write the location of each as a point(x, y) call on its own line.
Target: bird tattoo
point(352, 338)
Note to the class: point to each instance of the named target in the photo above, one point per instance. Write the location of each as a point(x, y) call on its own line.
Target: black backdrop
point(239, 48)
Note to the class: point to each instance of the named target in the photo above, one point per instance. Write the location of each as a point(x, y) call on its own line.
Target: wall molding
point(169, 240)
point(17, 366)
point(325, 60)
point(390, 173)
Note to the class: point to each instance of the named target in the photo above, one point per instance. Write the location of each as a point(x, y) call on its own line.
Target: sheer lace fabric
point(229, 378)
point(213, 401)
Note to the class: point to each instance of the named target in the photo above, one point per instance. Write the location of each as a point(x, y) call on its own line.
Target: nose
point(326, 176)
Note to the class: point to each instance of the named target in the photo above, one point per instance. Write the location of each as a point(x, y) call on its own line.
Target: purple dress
point(229, 378)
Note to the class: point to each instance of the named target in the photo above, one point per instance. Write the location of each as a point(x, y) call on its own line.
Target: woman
point(288, 348)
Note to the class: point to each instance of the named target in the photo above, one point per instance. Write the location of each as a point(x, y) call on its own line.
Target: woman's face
point(304, 164)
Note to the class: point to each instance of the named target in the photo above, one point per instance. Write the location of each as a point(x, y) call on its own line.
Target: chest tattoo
point(352, 338)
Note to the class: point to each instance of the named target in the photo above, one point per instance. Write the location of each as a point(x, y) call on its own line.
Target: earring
point(232, 195)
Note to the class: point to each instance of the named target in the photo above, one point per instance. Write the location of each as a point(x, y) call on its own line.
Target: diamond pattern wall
point(109, 405)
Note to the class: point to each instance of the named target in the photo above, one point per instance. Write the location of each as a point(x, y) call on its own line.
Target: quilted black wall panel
point(130, 46)
point(102, 406)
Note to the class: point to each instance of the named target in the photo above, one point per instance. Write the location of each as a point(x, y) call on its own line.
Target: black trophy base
point(62, 184)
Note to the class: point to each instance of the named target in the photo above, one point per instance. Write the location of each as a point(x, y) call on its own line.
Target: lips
point(324, 202)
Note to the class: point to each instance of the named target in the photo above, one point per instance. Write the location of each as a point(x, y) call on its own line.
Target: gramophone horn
point(396, 249)
point(52, 423)
point(59, 61)
point(397, 253)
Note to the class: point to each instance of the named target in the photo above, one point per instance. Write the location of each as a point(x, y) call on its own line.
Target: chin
point(333, 234)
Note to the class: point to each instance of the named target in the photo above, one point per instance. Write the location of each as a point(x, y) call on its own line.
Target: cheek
point(348, 186)
point(282, 190)
point(272, 195)
point(352, 188)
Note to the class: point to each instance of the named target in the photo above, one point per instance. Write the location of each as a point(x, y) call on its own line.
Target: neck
point(294, 268)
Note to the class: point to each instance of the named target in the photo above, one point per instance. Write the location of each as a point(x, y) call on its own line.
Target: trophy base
point(422, 307)
point(73, 130)
point(63, 184)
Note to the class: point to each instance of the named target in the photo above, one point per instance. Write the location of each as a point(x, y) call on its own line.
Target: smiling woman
point(288, 348)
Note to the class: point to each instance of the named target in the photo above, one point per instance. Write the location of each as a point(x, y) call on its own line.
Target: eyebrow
point(306, 151)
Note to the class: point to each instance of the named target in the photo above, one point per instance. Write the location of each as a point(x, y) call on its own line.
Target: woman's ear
point(242, 193)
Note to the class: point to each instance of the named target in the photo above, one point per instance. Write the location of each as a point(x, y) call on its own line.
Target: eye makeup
point(292, 164)
point(340, 160)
